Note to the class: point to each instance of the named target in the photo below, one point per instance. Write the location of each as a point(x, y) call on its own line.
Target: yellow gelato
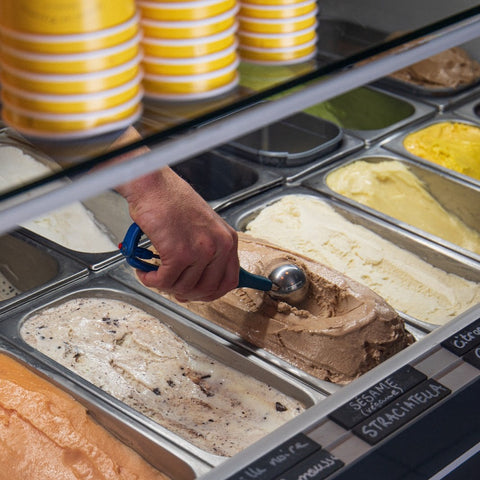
point(45, 434)
point(453, 145)
point(391, 188)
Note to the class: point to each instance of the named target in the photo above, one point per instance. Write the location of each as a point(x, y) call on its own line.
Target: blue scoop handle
point(133, 253)
point(250, 280)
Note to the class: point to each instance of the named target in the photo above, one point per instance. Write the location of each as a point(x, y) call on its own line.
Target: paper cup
point(190, 84)
point(189, 48)
point(190, 66)
point(277, 11)
point(65, 104)
point(72, 63)
point(42, 125)
point(278, 56)
point(184, 11)
point(189, 29)
point(53, 17)
point(65, 44)
point(277, 40)
point(278, 25)
point(193, 97)
point(71, 84)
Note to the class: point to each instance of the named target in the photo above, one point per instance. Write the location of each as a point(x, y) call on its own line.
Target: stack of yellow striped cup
point(190, 48)
point(70, 69)
point(277, 32)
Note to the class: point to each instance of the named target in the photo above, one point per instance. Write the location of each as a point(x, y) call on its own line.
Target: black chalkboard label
point(377, 396)
point(464, 340)
point(473, 357)
point(398, 413)
point(278, 460)
point(317, 466)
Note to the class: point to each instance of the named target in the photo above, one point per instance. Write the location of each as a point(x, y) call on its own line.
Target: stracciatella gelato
point(311, 226)
point(391, 188)
point(448, 69)
point(453, 145)
point(338, 332)
point(46, 434)
point(7, 289)
point(137, 359)
point(71, 226)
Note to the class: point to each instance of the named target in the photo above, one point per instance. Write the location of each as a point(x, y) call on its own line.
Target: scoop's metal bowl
point(289, 282)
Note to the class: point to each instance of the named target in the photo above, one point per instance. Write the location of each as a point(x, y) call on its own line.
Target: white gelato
point(134, 357)
point(71, 226)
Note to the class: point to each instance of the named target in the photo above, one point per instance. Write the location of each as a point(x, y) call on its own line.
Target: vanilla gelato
point(140, 361)
point(391, 188)
point(46, 434)
point(453, 145)
point(313, 228)
point(341, 330)
point(72, 226)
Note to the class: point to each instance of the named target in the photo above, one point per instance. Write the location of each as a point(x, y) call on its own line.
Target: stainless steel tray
point(348, 144)
point(442, 98)
point(223, 179)
point(163, 455)
point(296, 140)
point(395, 144)
point(458, 197)
point(419, 112)
point(109, 210)
point(33, 269)
point(470, 110)
point(101, 285)
point(435, 254)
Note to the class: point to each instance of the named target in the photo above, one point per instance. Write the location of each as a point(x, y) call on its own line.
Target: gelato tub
point(369, 113)
point(88, 231)
point(221, 179)
point(441, 208)
point(450, 143)
point(52, 429)
point(19, 281)
point(470, 110)
point(444, 80)
point(294, 141)
point(173, 377)
point(427, 283)
point(446, 73)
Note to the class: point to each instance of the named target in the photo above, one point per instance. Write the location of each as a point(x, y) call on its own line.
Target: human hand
point(197, 248)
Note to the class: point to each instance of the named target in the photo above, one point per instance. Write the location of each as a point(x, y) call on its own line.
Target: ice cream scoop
point(286, 281)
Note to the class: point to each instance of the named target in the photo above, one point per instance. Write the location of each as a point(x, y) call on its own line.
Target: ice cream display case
point(239, 389)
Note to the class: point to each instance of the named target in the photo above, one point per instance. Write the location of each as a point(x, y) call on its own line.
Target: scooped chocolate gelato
point(340, 331)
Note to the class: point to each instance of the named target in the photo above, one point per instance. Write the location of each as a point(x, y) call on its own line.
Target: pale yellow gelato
point(453, 145)
point(391, 188)
point(313, 228)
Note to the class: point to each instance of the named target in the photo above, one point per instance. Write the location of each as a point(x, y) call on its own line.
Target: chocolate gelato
point(340, 331)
